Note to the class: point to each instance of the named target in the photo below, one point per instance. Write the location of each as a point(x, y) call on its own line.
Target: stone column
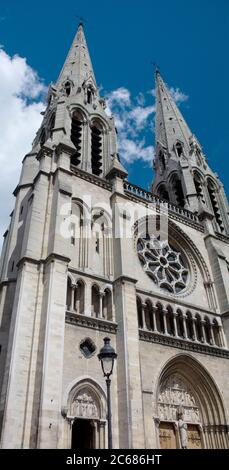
point(222, 338)
point(164, 312)
point(175, 323)
point(184, 326)
point(212, 335)
point(101, 294)
point(87, 299)
point(102, 435)
point(72, 298)
point(144, 317)
point(202, 322)
point(194, 329)
point(154, 319)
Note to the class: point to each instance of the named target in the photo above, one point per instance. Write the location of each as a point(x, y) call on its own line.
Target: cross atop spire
point(77, 67)
point(170, 124)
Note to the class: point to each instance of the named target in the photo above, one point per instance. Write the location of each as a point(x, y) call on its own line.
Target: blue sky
point(188, 39)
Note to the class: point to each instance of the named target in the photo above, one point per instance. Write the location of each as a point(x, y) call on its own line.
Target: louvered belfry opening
point(215, 207)
point(178, 191)
point(96, 149)
point(76, 138)
point(199, 189)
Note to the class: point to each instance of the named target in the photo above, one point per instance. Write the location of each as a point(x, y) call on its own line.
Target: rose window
point(163, 264)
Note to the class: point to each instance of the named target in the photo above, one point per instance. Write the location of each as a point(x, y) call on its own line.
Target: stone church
point(86, 256)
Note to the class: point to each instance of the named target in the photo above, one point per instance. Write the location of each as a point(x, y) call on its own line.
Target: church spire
point(170, 124)
point(76, 114)
point(77, 67)
point(182, 174)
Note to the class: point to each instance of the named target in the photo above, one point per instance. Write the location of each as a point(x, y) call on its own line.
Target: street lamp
point(107, 357)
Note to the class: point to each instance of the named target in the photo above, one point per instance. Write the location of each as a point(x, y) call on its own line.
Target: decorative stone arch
point(84, 399)
point(179, 148)
point(185, 387)
point(67, 86)
point(77, 108)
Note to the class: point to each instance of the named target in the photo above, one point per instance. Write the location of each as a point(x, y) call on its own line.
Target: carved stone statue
point(182, 426)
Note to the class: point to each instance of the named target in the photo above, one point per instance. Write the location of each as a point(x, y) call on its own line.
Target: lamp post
point(107, 357)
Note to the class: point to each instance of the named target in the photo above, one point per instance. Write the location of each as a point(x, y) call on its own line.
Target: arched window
point(189, 325)
point(178, 191)
point(216, 333)
point(159, 318)
point(170, 322)
point(179, 149)
point(180, 324)
point(79, 297)
point(76, 137)
point(95, 301)
point(149, 315)
point(107, 305)
point(207, 330)
point(198, 328)
point(215, 206)
point(161, 157)
point(139, 310)
point(96, 148)
point(100, 243)
point(67, 88)
point(162, 192)
point(89, 95)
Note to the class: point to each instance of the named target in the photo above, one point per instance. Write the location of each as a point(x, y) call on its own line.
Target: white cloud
point(20, 107)
point(140, 115)
point(178, 95)
point(132, 151)
point(133, 119)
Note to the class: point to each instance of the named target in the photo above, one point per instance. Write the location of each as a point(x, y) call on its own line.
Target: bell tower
point(182, 173)
point(75, 114)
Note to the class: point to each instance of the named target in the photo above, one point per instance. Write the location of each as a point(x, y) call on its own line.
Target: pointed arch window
point(162, 160)
point(162, 192)
point(76, 137)
point(179, 149)
point(96, 148)
point(178, 191)
point(89, 95)
point(140, 313)
point(67, 88)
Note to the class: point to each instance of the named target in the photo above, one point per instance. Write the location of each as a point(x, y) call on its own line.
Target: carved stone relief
point(84, 405)
point(175, 393)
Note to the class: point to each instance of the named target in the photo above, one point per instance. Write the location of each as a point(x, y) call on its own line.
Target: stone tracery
point(163, 263)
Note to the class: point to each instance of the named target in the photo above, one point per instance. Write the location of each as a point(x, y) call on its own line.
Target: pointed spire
point(77, 67)
point(170, 124)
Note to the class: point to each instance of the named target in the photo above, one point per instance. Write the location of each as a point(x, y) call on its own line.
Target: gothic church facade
point(69, 277)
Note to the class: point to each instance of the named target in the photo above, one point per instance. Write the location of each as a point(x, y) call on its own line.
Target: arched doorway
point(84, 409)
point(190, 412)
point(83, 434)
